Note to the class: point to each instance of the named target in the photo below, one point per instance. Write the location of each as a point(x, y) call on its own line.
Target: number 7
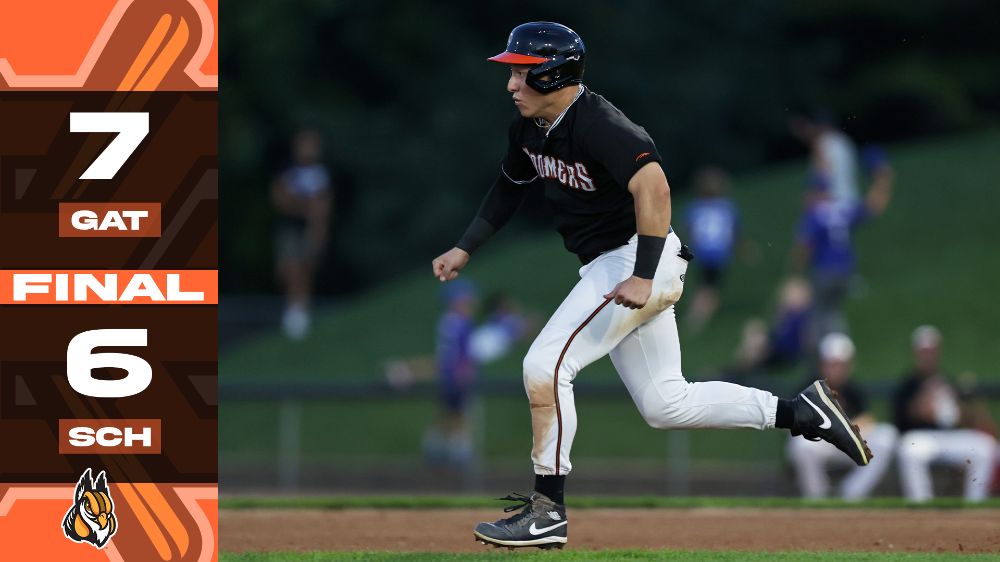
point(131, 129)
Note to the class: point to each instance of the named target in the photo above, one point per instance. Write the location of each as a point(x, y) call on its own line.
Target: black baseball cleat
point(541, 523)
point(818, 415)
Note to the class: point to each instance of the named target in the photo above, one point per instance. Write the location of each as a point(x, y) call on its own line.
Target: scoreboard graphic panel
point(108, 280)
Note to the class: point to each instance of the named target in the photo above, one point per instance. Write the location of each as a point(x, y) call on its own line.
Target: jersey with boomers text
point(585, 160)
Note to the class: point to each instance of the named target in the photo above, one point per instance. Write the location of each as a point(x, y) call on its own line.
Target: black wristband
point(479, 231)
point(647, 255)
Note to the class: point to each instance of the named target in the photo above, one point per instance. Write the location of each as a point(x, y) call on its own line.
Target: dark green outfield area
point(686, 555)
point(930, 259)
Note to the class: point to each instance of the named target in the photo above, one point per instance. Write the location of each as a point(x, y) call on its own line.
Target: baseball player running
point(602, 175)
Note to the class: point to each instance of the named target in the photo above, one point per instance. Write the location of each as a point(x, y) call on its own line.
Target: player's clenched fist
point(447, 265)
point(632, 292)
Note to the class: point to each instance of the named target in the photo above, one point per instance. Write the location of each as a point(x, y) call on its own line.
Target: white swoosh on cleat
point(536, 531)
point(826, 421)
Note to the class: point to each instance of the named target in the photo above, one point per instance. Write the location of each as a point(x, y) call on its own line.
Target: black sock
point(551, 486)
point(785, 416)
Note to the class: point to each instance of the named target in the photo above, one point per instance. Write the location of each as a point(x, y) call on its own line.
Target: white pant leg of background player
point(860, 482)
point(598, 334)
point(811, 461)
point(966, 448)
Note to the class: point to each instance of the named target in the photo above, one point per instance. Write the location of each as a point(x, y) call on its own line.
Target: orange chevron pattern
point(27, 512)
point(105, 45)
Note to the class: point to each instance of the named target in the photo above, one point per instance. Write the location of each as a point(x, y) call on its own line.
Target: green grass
point(589, 502)
point(250, 429)
point(930, 259)
point(687, 555)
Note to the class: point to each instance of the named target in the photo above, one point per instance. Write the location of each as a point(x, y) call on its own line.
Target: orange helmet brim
point(516, 58)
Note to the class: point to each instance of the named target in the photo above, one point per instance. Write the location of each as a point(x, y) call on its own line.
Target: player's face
point(835, 371)
point(529, 101)
point(927, 358)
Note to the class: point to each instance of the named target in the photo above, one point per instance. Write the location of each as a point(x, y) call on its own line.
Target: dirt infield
point(450, 530)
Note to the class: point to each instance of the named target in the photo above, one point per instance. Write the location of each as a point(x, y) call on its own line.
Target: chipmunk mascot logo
point(92, 517)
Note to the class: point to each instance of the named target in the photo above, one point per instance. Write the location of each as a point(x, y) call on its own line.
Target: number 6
point(81, 361)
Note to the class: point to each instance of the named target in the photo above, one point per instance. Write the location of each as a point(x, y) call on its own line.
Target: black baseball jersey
point(585, 161)
point(852, 399)
point(913, 386)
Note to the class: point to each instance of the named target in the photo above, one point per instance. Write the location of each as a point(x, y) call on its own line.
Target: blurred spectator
point(784, 343)
point(462, 348)
point(503, 326)
point(303, 199)
point(448, 441)
point(929, 415)
point(711, 222)
point(824, 245)
point(832, 154)
point(812, 459)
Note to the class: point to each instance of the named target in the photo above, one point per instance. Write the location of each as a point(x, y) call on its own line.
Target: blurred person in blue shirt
point(462, 346)
point(455, 362)
point(711, 222)
point(503, 326)
point(785, 342)
point(448, 442)
point(824, 243)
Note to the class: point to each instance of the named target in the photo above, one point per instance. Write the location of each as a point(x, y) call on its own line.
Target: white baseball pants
point(966, 448)
point(812, 459)
point(645, 350)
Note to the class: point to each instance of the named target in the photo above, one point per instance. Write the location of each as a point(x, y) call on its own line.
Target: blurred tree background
point(414, 117)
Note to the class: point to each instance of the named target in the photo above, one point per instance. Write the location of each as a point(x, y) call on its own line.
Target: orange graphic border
point(190, 496)
point(77, 80)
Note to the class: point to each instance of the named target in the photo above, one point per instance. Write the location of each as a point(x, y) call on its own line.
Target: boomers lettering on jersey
point(573, 175)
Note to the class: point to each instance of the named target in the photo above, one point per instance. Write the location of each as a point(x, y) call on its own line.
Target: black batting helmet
point(556, 52)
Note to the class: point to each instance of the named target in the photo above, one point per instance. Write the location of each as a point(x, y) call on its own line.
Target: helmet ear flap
point(556, 73)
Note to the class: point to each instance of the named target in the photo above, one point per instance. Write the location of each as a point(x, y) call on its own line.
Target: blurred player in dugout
point(938, 427)
point(303, 198)
point(812, 459)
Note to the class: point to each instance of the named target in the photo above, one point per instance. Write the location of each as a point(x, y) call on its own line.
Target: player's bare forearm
point(651, 192)
point(652, 216)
